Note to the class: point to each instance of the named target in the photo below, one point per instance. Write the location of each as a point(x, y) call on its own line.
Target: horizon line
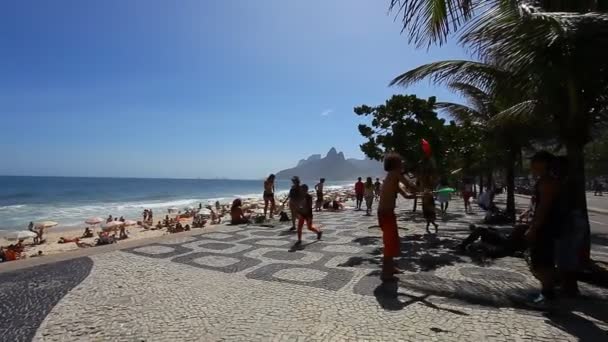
point(130, 177)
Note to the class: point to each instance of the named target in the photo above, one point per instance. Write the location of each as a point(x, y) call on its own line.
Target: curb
point(591, 209)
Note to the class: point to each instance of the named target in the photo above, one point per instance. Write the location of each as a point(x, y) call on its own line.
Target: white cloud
point(327, 112)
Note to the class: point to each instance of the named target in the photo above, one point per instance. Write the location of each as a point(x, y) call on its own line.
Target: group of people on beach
point(368, 191)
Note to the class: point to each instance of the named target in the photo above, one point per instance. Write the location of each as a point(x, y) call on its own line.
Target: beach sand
point(52, 235)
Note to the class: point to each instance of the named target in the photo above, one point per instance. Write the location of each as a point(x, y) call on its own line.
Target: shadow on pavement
point(420, 252)
point(388, 296)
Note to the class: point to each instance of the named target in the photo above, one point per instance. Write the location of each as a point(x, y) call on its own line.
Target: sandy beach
point(52, 235)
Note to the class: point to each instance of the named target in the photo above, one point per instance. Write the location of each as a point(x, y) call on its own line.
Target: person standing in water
point(359, 190)
point(269, 195)
point(319, 190)
point(387, 220)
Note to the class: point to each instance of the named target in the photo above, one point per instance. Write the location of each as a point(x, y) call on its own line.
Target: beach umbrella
point(448, 190)
point(46, 224)
point(19, 235)
point(93, 220)
point(112, 225)
point(130, 223)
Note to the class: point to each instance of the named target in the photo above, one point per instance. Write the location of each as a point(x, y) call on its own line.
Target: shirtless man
point(269, 195)
point(386, 212)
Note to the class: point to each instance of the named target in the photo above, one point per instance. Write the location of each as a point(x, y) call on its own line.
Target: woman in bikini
point(269, 195)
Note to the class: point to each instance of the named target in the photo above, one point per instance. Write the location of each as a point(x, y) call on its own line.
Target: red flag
point(426, 148)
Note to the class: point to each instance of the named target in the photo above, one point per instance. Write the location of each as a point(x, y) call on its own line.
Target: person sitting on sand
point(159, 225)
point(187, 228)
point(87, 233)
point(121, 219)
point(30, 227)
point(336, 205)
point(236, 213)
point(18, 247)
point(123, 233)
point(67, 240)
point(105, 239)
point(110, 219)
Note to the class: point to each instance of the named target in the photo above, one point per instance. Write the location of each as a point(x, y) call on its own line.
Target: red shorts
point(390, 234)
point(467, 195)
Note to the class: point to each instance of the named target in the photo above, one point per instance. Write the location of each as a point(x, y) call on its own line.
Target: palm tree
point(484, 108)
point(560, 59)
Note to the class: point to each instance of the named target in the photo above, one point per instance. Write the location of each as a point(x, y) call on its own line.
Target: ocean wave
point(182, 203)
point(12, 207)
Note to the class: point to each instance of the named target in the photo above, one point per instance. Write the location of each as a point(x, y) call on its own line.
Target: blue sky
point(189, 88)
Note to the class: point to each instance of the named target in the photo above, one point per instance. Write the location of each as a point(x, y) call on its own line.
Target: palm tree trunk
point(576, 192)
point(489, 179)
point(480, 183)
point(511, 184)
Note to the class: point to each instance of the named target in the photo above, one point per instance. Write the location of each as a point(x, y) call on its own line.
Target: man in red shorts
point(387, 219)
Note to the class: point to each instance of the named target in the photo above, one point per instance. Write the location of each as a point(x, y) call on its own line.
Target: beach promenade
point(243, 283)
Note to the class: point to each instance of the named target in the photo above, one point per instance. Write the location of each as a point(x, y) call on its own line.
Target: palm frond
point(522, 114)
point(461, 113)
point(476, 97)
point(432, 21)
point(479, 74)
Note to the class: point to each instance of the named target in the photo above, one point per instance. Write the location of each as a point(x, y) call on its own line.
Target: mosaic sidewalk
point(245, 283)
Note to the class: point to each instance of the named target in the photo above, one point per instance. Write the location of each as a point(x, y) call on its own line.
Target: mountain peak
point(332, 152)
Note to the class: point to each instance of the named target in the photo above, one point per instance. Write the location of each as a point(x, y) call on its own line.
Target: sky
point(192, 88)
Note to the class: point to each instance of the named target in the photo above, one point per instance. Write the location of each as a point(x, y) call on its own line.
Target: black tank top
point(554, 224)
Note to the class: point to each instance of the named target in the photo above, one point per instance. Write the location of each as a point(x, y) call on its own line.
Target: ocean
point(71, 200)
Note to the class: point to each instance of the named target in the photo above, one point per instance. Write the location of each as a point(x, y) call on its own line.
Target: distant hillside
point(334, 166)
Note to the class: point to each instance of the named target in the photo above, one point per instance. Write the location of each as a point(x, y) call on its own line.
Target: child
point(386, 213)
point(428, 210)
point(305, 214)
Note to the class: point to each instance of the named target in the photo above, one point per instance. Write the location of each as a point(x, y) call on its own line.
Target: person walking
point(359, 190)
point(294, 198)
point(369, 196)
point(319, 190)
point(377, 187)
point(269, 195)
point(305, 215)
point(443, 197)
point(467, 193)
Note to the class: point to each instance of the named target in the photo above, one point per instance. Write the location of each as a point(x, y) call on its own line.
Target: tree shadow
point(420, 252)
point(389, 298)
point(599, 239)
point(563, 315)
point(567, 318)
